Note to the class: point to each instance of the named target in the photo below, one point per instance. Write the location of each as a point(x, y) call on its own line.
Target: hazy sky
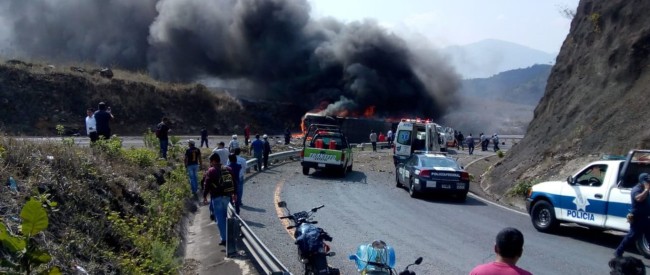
point(538, 24)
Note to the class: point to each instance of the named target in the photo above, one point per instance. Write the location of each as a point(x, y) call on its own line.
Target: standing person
point(461, 141)
point(495, 140)
point(509, 247)
point(221, 150)
point(236, 170)
point(257, 148)
point(204, 137)
point(103, 116)
point(470, 144)
point(233, 144)
point(287, 136)
point(638, 216)
point(373, 140)
point(389, 137)
point(240, 184)
point(193, 164)
point(219, 183)
point(162, 133)
point(247, 134)
point(381, 137)
point(481, 139)
point(267, 151)
point(91, 125)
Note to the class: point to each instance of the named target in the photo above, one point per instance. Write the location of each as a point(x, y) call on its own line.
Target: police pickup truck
point(597, 196)
point(325, 147)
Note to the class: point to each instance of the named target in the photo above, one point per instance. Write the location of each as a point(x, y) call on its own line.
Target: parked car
point(434, 173)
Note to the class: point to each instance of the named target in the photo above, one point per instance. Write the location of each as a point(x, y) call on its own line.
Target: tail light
point(464, 176)
point(342, 156)
point(302, 154)
point(425, 173)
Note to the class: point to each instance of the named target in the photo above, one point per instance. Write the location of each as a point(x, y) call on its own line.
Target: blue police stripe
point(617, 209)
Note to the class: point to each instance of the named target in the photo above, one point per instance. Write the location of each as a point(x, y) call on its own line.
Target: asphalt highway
point(451, 236)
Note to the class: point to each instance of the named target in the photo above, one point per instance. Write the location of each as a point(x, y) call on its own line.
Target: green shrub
point(26, 256)
point(500, 154)
point(521, 188)
point(150, 139)
point(111, 147)
point(143, 157)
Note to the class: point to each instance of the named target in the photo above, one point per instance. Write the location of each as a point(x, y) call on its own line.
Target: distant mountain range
point(489, 57)
point(522, 86)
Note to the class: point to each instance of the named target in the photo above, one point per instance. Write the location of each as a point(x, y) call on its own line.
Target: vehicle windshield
point(438, 162)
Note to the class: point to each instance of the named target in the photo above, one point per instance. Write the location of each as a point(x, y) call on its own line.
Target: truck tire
point(543, 217)
point(343, 172)
point(461, 197)
point(350, 168)
point(305, 170)
point(643, 246)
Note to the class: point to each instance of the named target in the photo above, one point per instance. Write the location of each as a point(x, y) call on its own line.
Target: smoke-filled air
point(274, 44)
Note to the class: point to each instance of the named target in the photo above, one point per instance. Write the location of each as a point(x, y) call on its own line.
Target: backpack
point(225, 184)
point(158, 130)
point(310, 239)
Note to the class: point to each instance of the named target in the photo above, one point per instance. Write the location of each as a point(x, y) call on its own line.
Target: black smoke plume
point(274, 44)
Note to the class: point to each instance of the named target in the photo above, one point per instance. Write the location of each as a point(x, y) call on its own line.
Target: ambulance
point(415, 135)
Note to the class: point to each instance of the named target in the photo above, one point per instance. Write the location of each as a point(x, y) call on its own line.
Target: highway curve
point(452, 236)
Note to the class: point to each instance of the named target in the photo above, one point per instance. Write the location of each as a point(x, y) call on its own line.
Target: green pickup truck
point(325, 147)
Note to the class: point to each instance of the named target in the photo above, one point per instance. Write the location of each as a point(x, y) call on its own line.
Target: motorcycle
point(378, 258)
point(311, 242)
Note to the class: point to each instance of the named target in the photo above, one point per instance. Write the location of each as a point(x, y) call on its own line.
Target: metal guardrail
point(239, 230)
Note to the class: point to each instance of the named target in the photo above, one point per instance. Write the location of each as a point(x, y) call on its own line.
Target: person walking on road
point(91, 125)
point(162, 133)
point(247, 134)
point(287, 136)
point(495, 140)
point(103, 116)
point(483, 139)
point(240, 184)
point(266, 152)
point(460, 141)
point(389, 137)
point(236, 170)
point(220, 185)
point(508, 248)
point(373, 140)
point(222, 151)
point(639, 216)
point(233, 144)
point(470, 144)
point(193, 164)
point(204, 138)
point(257, 148)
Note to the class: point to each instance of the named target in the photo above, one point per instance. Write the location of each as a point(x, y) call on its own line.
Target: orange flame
point(369, 112)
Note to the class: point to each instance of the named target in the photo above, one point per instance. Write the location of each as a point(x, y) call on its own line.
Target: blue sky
point(537, 24)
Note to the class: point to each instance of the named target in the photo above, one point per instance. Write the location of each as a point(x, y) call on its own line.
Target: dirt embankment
point(594, 100)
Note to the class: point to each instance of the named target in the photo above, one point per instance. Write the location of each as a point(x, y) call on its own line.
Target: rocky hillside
point(34, 98)
point(595, 99)
point(522, 86)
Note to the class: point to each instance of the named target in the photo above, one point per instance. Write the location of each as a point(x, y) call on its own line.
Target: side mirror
point(353, 257)
point(331, 254)
point(418, 261)
point(570, 180)
point(282, 204)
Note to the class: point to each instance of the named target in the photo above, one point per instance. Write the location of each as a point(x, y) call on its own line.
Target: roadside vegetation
point(102, 209)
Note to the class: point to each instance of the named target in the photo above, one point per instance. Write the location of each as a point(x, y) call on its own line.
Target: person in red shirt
point(222, 190)
point(247, 134)
point(509, 247)
point(381, 137)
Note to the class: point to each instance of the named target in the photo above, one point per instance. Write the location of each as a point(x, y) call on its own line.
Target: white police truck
point(598, 196)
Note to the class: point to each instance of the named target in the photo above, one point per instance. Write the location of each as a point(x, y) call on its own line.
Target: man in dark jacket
point(102, 118)
point(640, 213)
point(162, 133)
point(267, 151)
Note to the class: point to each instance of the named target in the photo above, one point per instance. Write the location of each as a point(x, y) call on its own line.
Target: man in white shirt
point(221, 151)
point(234, 144)
point(91, 125)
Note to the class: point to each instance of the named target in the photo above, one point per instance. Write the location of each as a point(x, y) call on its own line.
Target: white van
point(415, 135)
